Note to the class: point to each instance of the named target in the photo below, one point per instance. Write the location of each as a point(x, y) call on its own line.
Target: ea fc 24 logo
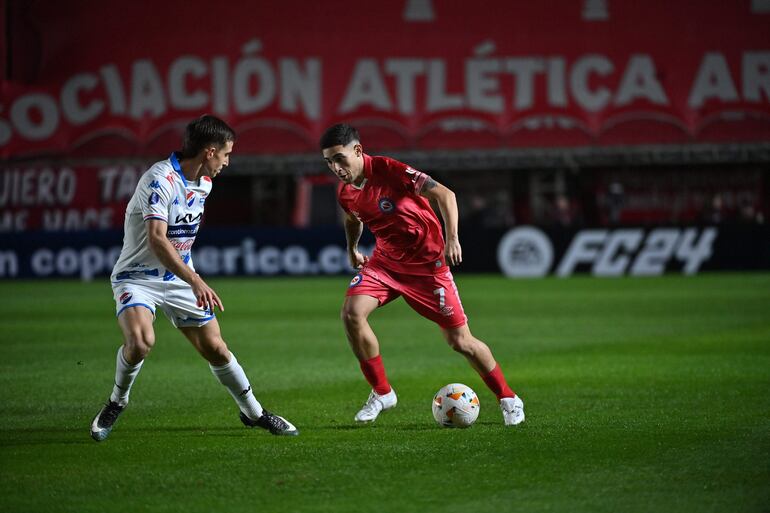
point(528, 252)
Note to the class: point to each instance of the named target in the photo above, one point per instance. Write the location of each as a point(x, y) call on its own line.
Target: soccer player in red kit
point(410, 259)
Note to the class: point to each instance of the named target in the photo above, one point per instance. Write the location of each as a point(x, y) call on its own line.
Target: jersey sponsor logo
point(357, 279)
point(190, 198)
point(154, 198)
point(176, 201)
point(189, 218)
point(182, 245)
point(155, 184)
point(125, 297)
point(386, 205)
point(182, 230)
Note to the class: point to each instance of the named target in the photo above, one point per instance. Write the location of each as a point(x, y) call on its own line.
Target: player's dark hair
point(203, 132)
point(339, 135)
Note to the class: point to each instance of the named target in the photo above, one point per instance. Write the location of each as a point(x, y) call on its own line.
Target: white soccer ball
point(456, 405)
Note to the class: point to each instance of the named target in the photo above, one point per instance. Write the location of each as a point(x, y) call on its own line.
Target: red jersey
point(408, 234)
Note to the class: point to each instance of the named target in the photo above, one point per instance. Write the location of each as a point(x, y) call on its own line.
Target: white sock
point(231, 375)
point(125, 374)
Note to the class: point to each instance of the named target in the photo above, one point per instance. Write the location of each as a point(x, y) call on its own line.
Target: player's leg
point(436, 298)
point(474, 350)
point(207, 340)
point(355, 317)
point(138, 339)
point(480, 357)
point(364, 295)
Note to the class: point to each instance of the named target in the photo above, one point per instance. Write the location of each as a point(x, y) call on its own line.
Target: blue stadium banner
point(523, 251)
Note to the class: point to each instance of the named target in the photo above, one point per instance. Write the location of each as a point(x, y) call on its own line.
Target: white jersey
point(162, 193)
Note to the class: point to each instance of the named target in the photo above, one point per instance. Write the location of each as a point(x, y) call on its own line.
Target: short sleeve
point(409, 177)
point(156, 193)
point(341, 198)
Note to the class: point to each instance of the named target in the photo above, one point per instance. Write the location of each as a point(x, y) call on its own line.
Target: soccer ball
point(456, 405)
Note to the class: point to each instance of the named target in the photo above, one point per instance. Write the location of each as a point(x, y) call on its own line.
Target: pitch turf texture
point(641, 395)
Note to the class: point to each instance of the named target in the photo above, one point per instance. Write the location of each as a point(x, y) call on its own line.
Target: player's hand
point(453, 252)
point(207, 298)
point(357, 259)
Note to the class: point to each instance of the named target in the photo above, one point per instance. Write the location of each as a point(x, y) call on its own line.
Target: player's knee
point(352, 317)
point(461, 342)
point(139, 343)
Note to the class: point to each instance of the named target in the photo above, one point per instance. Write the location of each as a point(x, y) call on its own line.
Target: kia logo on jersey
point(386, 205)
point(190, 198)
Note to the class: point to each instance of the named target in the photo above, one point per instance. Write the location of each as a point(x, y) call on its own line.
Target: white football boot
point(375, 404)
point(513, 410)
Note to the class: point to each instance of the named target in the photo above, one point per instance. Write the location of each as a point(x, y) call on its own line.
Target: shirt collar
point(174, 159)
point(367, 166)
point(367, 172)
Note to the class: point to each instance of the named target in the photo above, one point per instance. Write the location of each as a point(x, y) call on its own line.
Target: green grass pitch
point(649, 395)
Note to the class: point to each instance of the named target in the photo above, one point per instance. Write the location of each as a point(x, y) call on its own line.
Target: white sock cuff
point(218, 369)
point(125, 364)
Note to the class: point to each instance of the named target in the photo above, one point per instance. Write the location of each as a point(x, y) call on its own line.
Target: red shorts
point(435, 297)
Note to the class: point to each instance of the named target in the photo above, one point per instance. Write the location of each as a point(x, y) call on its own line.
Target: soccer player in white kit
point(155, 270)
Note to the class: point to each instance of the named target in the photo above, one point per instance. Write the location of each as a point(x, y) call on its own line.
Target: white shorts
point(175, 298)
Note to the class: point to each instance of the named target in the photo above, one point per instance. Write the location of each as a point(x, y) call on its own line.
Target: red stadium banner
point(93, 79)
point(65, 198)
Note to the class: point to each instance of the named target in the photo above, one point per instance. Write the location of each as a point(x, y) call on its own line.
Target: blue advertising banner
point(524, 251)
point(217, 252)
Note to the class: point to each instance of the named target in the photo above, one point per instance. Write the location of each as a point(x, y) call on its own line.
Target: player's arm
point(353, 230)
point(447, 205)
point(162, 248)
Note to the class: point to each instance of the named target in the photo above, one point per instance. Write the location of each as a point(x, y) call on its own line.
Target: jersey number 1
point(441, 296)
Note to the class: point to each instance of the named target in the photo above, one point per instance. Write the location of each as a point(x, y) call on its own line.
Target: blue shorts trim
point(196, 319)
point(135, 304)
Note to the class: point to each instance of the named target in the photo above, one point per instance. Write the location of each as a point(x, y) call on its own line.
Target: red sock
point(374, 372)
point(497, 384)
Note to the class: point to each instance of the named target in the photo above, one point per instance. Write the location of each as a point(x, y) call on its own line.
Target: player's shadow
point(416, 426)
point(44, 436)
